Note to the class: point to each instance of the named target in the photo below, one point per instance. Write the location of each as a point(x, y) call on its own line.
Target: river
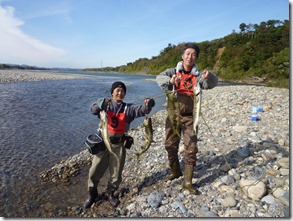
point(47, 121)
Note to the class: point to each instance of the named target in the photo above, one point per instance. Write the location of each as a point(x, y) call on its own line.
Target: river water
point(47, 121)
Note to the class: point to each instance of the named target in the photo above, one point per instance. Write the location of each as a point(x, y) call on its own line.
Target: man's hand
point(205, 74)
point(175, 79)
point(149, 102)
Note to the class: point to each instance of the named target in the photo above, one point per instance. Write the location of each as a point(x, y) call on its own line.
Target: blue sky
point(95, 33)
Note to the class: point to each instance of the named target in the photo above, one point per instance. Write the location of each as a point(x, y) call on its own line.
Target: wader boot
point(175, 170)
point(93, 194)
point(187, 182)
point(113, 199)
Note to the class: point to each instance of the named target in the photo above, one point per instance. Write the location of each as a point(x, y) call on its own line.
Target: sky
point(110, 33)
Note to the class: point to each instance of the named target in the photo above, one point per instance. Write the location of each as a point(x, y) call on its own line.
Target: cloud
point(61, 9)
point(19, 48)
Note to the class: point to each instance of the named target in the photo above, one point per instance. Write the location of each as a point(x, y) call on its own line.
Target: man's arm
point(208, 80)
point(99, 105)
point(163, 79)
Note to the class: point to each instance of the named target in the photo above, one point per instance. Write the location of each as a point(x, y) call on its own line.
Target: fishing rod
point(215, 141)
point(153, 97)
point(248, 185)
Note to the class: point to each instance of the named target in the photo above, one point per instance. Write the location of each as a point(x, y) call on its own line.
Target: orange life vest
point(116, 122)
point(187, 83)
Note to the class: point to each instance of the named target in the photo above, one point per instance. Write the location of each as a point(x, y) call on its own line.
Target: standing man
point(120, 115)
point(182, 80)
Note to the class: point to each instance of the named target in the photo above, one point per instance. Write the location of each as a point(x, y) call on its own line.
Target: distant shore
point(12, 76)
point(17, 75)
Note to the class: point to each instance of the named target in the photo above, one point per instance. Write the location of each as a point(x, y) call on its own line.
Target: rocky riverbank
point(242, 168)
point(12, 76)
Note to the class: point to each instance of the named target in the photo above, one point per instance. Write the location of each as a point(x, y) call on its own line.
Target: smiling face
point(118, 94)
point(189, 57)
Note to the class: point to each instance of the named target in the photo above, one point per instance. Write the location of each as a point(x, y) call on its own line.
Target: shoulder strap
point(122, 108)
point(125, 107)
point(108, 102)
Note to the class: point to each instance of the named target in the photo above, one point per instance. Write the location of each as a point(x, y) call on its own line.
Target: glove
point(151, 103)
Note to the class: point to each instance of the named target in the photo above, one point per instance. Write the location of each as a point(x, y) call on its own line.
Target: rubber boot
point(187, 182)
point(93, 194)
point(175, 170)
point(113, 199)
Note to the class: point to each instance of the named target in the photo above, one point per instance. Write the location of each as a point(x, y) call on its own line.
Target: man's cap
point(118, 84)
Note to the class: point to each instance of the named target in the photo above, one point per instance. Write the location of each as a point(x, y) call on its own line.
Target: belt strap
point(186, 114)
point(116, 140)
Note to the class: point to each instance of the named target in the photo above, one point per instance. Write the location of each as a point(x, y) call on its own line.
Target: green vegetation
point(257, 53)
point(20, 67)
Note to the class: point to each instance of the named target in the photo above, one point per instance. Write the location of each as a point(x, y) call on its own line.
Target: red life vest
point(187, 83)
point(116, 122)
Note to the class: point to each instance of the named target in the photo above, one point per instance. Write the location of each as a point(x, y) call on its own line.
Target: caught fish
point(196, 107)
point(104, 133)
point(148, 128)
point(173, 112)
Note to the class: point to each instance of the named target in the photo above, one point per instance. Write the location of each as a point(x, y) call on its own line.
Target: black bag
point(95, 144)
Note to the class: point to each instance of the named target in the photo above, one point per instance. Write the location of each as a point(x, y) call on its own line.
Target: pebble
point(254, 182)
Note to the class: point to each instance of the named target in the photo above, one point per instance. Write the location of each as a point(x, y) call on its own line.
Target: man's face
point(189, 57)
point(118, 94)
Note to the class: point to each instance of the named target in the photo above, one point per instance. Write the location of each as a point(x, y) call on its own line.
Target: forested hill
point(258, 52)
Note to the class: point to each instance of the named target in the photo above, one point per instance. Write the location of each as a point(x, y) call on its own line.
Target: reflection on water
point(44, 122)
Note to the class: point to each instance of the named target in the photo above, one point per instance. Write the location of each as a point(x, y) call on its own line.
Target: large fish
point(173, 112)
point(148, 128)
point(196, 107)
point(104, 133)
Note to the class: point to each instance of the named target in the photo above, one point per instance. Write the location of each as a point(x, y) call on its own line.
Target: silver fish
point(196, 107)
point(104, 133)
point(148, 127)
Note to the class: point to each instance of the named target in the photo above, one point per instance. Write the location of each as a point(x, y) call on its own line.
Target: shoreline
point(13, 76)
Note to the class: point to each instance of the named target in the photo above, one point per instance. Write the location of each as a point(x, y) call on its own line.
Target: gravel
point(242, 168)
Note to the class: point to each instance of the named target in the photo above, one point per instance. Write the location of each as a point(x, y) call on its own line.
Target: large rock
point(254, 189)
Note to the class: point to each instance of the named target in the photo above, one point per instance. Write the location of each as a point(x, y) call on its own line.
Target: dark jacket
point(132, 111)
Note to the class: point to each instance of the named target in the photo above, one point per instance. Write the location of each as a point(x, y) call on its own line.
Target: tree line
point(256, 52)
